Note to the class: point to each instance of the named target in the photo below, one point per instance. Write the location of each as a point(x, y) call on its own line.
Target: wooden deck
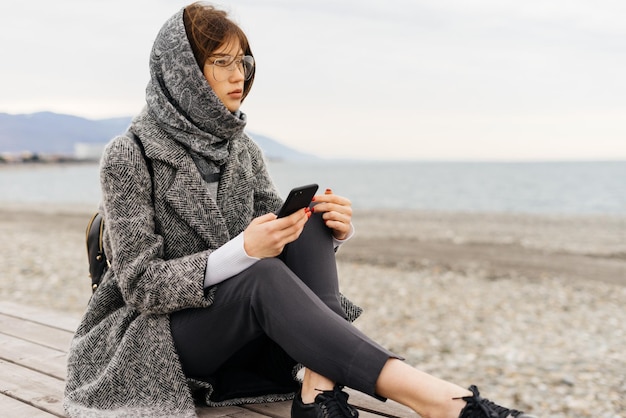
point(33, 349)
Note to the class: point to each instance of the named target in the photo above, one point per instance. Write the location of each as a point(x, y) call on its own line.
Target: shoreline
point(493, 245)
point(507, 302)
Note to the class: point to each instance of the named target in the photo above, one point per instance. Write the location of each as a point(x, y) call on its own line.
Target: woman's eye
point(221, 62)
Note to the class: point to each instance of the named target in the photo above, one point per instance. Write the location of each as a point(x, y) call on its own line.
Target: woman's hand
point(336, 212)
point(267, 235)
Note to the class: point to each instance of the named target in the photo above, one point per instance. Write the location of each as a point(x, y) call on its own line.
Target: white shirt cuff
point(228, 260)
point(338, 242)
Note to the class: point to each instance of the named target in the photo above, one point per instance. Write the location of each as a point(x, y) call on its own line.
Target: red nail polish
point(313, 200)
point(312, 209)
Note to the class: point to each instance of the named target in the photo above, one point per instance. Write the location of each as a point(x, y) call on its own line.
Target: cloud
point(394, 78)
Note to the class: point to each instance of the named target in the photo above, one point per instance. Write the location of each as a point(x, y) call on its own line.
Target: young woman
point(209, 296)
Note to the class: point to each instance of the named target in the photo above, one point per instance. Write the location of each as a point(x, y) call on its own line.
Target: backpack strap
point(98, 263)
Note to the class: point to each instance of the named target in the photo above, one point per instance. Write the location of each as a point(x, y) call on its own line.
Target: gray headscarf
point(179, 97)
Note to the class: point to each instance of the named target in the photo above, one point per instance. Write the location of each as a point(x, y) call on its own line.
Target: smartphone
point(298, 198)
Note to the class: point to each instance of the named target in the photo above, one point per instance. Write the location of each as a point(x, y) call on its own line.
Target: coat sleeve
point(146, 280)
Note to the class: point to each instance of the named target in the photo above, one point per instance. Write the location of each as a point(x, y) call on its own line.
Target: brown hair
point(209, 28)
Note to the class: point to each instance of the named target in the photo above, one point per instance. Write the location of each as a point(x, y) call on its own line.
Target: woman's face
point(225, 77)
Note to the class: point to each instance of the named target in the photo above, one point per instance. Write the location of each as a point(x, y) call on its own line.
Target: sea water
point(538, 187)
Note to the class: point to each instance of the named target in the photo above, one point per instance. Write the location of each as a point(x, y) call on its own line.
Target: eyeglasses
point(223, 65)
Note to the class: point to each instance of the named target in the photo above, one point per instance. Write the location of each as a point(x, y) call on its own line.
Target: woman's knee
point(271, 282)
point(270, 273)
point(269, 267)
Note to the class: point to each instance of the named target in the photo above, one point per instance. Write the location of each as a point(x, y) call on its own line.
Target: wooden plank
point(10, 407)
point(63, 320)
point(34, 343)
point(41, 391)
point(274, 409)
point(33, 356)
point(368, 414)
point(35, 332)
point(226, 412)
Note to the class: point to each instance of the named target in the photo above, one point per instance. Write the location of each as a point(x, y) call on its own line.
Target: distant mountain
point(274, 150)
point(52, 133)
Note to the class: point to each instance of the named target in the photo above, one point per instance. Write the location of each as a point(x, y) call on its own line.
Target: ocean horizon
point(574, 188)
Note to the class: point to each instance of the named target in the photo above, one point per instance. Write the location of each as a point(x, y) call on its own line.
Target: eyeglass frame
point(239, 62)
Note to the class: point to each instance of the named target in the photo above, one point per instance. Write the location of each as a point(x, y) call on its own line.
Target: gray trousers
point(277, 313)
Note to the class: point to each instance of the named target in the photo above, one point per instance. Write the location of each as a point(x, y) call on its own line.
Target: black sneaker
point(327, 404)
point(478, 407)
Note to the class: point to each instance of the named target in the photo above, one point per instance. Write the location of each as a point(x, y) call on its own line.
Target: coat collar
point(187, 194)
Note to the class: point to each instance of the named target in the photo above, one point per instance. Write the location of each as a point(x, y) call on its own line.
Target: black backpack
point(98, 262)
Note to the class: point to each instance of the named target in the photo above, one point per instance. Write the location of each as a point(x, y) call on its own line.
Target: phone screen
point(298, 198)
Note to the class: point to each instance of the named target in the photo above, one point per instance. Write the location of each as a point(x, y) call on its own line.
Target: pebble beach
point(529, 308)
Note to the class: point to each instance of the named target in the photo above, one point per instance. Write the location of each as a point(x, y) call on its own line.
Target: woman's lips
point(236, 94)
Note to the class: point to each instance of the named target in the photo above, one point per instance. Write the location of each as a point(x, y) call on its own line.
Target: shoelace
point(335, 404)
point(491, 409)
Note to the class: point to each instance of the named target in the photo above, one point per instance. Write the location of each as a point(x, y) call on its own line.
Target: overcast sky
point(399, 79)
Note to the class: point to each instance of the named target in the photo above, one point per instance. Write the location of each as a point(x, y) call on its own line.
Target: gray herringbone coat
point(123, 355)
point(122, 360)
